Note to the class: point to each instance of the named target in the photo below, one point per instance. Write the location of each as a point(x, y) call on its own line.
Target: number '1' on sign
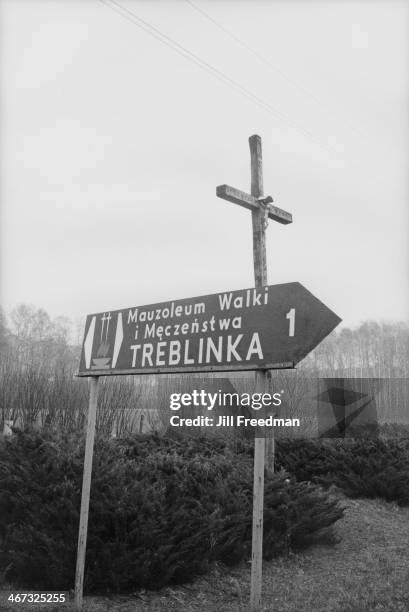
point(291, 316)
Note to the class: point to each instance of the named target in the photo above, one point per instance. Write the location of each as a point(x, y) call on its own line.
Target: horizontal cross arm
point(251, 203)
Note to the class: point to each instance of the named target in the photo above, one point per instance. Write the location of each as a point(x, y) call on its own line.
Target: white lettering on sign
point(246, 329)
point(152, 330)
point(157, 314)
point(160, 354)
point(217, 351)
point(134, 348)
point(250, 298)
point(147, 351)
point(291, 316)
point(174, 352)
point(255, 347)
point(231, 348)
point(132, 316)
point(188, 360)
point(208, 350)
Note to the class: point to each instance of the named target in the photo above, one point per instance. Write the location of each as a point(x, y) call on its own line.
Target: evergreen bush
point(161, 510)
point(360, 467)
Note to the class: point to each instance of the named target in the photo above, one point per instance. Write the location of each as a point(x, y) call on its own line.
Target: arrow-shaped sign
point(268, 328)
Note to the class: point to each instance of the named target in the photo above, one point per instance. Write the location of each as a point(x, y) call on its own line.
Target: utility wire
point(267, 62)
point(170, 42)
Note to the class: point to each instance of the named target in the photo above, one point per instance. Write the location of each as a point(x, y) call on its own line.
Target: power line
point(266, 61)
point(187, 54)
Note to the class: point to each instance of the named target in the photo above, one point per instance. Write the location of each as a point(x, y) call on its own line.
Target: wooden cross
point(261, 210)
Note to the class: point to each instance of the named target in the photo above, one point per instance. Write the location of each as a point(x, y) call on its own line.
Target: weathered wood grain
point(85, 495)
point(231, 194)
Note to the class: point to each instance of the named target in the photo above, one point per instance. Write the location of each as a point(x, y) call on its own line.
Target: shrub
point(161, 510)
point(360, 467)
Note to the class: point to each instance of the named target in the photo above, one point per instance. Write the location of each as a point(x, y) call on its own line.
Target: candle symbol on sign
point(102, 361)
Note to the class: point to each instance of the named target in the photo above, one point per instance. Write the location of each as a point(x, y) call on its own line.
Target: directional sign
point(268, 328)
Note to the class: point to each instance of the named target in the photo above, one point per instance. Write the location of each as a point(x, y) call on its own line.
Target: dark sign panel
point(267, 328)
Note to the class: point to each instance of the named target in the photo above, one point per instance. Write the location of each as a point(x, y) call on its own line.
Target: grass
point(367, 570)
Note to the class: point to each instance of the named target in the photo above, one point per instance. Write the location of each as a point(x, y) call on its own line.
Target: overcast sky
point(112, 146)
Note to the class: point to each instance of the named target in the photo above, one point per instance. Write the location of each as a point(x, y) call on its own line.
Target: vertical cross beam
point(260, 277)
point(259, 222)
point(261, 209)
point(257, 216)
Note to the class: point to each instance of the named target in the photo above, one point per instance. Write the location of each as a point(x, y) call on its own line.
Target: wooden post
point(260, 276)
point(257, 535)
point(259, 221)
point(261, 210)
point(257, 216)
point(86, 487)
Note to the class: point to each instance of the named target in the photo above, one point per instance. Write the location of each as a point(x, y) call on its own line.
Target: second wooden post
point(260, 277)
